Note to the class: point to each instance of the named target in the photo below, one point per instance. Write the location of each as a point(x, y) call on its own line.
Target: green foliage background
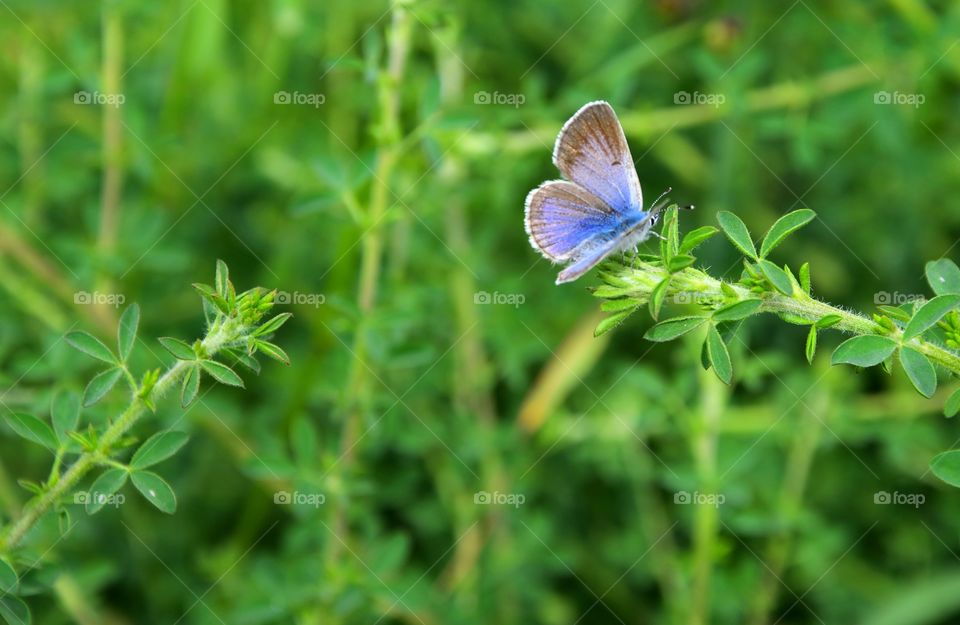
point(387, 212)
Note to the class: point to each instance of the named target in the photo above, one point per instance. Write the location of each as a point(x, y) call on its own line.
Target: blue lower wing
point(587, 261)
point(562, 219)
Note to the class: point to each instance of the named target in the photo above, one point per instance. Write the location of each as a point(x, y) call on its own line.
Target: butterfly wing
point(592, 151)
point(562, 217)
point(587, 261)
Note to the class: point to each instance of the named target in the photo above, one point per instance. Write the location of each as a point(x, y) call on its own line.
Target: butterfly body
point(597, 209)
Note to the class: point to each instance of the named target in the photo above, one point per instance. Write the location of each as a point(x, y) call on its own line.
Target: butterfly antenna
point(669, 189)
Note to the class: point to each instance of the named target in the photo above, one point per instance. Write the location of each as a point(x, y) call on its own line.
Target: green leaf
point(273, 325)
point(91, 346)
point(251, 363)
point(952, 406)
point(946, 466)
point(190, 386)
point(33, 429)
point(33, 487)
point(9, 580)
point(672, 328)
point(210, 296)
point(894, 313)
point(65, 414)
point(127, 331)
point(863, 351)
point(805, 277)
point(179, 349)
point(606, 324)
point(929, 314)
point(672, 224)
point(617, 305)
point(695, 237)
point(14, 611)
point(718, 355)
point(737, 232)
point(811, 347)
point(657, 296)
point(274, 351)
point(679, 263)
point(828, 321)
point(222, 279)
point(64, 523)
point(784, 227)
point(156, 490)
point(158, 448)
point(920, 371)
point(777, 277)
point(109, 482)
point(221, 373)
point(943, 276)
point(737, 310)
point(100, 385)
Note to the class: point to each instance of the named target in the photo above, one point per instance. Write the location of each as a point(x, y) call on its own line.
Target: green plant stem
point(641, 278)
point(372, 248)
point(112, 130)
point(648, 125)
point(789, 506)
point(221, 336)
point(706, 517)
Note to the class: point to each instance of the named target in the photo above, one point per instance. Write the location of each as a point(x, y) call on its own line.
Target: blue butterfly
point(598, 209)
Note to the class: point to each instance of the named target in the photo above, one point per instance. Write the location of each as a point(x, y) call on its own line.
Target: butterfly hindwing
point(562, 217)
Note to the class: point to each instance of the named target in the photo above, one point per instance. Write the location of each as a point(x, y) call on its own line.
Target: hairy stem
point(13, 534)
point(641, 278)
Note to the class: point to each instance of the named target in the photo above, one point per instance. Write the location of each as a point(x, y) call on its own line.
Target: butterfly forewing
point(592, 151)
point(562, 216)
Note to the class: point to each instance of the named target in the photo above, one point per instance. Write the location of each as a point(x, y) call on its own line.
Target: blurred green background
point(481, 458)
